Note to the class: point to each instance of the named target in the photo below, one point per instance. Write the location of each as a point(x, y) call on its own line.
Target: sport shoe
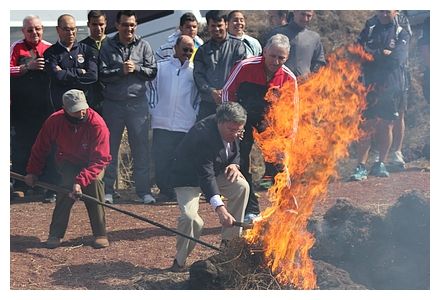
point(50, 197)
point(108, 198)
point(53, 242)
point(177, 268)
point(397, 159)
point(148, 199)
point(379, 170)
point(100, 242)
point(360, 173)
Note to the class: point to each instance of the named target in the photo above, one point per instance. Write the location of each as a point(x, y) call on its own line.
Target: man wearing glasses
point(70, 65)
point(30, 103)
point(174, 101)
point(126, 64)
point(207, 160)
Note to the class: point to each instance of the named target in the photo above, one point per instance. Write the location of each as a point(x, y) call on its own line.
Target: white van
point(153, 25)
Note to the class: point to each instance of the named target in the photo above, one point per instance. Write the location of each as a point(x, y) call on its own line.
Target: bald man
point(174, 101)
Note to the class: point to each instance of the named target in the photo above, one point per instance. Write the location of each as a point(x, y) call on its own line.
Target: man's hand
point(217, 96)
point(76, 192)
point(30, 179)
point(225, 218)
point(387, 52)
point(232, 172)
point(36, 64)
point(128, 67)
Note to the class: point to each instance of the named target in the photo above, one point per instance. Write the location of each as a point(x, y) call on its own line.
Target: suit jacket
point(201, 157)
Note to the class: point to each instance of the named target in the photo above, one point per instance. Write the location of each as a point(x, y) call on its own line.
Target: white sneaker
point(108, 198)
point(397, 159)
point(148, 199)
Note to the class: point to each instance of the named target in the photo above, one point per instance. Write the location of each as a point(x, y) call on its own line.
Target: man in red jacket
point(81, 139)
point(248, 84)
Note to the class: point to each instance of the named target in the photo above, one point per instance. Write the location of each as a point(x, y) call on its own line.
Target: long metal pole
point(125, 212)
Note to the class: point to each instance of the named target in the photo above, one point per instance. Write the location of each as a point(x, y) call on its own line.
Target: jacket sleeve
point(230, 88)
point(41, 148)
point(200, 70)
point(14, 68)
point(110, 68)
point(148, 69)
point(99, 156)
point(318, 59)
point(205, 171)
point(73, 74)
point(91, 59)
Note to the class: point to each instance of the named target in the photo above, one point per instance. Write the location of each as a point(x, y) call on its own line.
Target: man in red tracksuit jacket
point(81, 138)
point(248, 84)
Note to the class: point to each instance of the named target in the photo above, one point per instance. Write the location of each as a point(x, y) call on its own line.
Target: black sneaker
point(177, 268)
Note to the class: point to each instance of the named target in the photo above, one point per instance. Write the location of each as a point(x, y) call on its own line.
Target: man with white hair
point(30, 101)
point(248, 84)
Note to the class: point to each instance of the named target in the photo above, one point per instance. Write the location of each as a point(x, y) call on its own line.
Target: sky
point(197, 4)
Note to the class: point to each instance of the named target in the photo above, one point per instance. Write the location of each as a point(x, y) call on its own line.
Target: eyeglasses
point(128, 24)
point(188, 50)
point(32, 29)
point(235, 131)
point(67, 29)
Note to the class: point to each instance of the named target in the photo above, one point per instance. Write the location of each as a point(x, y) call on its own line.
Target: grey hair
point(279, 40)
point(231, 112)
point(28, 18)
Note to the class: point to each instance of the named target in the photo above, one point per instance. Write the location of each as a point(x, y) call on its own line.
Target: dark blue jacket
point(385, 70)
point(70, 77)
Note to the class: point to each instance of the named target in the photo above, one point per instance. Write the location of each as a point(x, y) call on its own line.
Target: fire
point(307, 135)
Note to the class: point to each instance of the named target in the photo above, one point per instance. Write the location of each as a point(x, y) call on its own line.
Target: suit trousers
point(190, 222)
point(63, 206)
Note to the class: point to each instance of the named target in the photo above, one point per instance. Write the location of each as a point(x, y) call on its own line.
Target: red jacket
point(251, 70)
point(85, 144)
point(22, 53)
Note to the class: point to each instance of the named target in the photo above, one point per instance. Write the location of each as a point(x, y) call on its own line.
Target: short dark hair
point(62, 16)
point(233, 12)
point(216, 16)
point(96, 14)
point(127, 13)
point(189, 16)
point(231, 112)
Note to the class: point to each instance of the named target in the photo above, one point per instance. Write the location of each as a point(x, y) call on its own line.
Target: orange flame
point(308, 139)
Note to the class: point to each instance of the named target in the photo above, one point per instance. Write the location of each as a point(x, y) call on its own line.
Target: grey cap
point(74, 100)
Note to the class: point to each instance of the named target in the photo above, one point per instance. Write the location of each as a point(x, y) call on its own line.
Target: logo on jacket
point(85, 146)
point(392, 44)
point(80, 58)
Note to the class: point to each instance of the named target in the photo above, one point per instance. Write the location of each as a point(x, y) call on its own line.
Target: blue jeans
point(132, 114)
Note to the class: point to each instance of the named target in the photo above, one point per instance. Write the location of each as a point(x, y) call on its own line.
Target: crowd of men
point(71, 101)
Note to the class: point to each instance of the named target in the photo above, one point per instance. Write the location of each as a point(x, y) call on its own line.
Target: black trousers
point(165, 143)
point(245, 151)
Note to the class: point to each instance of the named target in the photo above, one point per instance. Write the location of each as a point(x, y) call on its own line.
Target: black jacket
point(79, 57)
point(201, 156)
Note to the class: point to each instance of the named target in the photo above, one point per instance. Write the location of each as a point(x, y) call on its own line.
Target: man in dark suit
point(207, 160)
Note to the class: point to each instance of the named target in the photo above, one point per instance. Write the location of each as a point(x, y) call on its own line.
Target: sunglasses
point(188, 50)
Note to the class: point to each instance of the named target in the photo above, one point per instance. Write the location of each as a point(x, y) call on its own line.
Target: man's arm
point(99, 156)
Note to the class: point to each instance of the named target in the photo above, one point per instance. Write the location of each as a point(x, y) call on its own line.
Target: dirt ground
point(139, 250)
